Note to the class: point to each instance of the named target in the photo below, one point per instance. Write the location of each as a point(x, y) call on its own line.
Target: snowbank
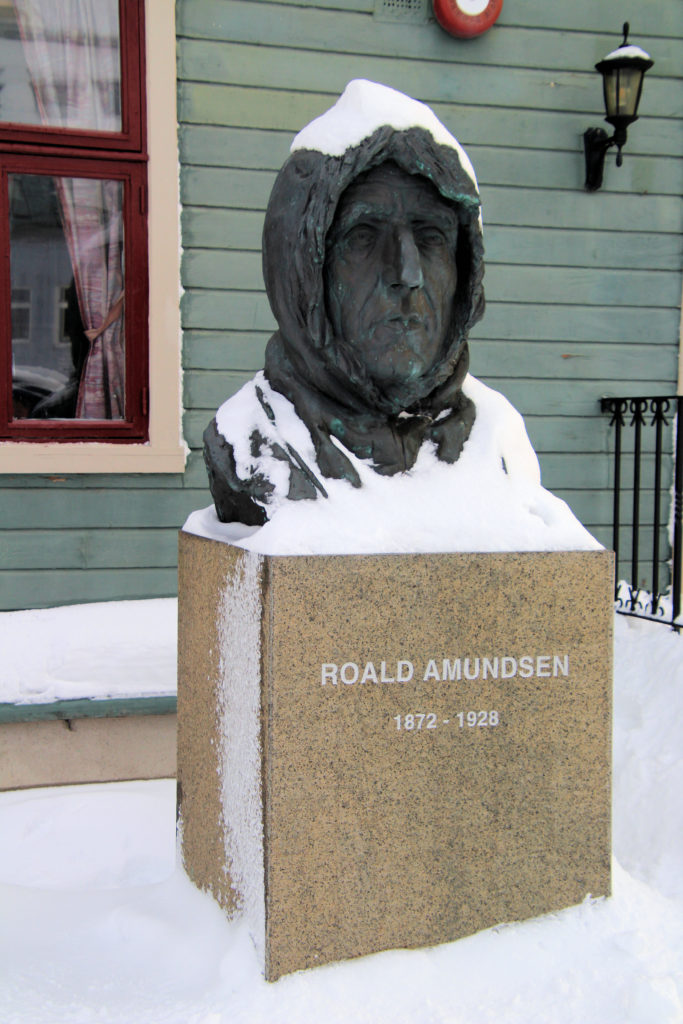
point(112, 649)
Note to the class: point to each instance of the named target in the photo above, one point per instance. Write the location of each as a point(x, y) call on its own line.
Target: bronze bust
point(373, 263)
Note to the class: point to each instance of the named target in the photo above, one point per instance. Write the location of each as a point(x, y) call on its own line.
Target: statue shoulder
point(258, 453)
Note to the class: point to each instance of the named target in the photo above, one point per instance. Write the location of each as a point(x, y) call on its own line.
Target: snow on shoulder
point(491, 499)
point(364, 107)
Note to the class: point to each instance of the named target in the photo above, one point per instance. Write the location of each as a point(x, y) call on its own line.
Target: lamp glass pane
point(622, 91)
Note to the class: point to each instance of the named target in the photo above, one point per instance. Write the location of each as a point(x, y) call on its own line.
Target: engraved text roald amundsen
point(526, 666)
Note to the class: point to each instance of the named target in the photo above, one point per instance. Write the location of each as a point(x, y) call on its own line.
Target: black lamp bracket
point(596, 142)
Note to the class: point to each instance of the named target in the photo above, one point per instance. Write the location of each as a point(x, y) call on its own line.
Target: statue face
point(390, 275)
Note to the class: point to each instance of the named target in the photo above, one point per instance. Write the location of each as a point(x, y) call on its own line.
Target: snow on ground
point(98, 925)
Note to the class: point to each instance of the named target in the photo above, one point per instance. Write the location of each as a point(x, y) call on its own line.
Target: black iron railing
point(645, 445)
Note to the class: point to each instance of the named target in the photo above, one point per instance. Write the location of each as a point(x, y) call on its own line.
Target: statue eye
point(428, 236)
point(360, 239)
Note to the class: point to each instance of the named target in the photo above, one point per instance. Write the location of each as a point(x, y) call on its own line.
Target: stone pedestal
point(392, 751)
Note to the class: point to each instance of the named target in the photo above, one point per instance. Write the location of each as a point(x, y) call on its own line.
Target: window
point(72, 220)
point(164, 450)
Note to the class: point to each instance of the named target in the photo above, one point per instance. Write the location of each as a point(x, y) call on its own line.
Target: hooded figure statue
point(365, 364)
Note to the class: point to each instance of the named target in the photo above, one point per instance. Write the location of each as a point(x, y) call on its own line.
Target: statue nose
point(404, 264)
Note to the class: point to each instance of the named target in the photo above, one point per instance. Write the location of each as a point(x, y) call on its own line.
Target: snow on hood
point(366, 106)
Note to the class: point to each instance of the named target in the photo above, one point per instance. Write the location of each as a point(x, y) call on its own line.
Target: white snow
point(112, 649)
point(103, 837)
point(364, 107)
point(97, 925)
point(241, 414)
point(240, 730)
point(648, 754)
point(491, 499)
point(627, 51)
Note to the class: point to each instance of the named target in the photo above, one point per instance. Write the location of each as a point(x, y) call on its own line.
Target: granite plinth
point(392, 751)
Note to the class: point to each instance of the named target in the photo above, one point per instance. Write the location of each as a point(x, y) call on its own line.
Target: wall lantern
point(622, 73)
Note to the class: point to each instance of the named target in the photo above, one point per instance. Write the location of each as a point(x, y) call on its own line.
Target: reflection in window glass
point(66, 252)
point(61, 64)
point(63, 299)
point(21, 314)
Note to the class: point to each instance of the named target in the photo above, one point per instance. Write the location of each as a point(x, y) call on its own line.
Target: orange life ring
point(467, 18)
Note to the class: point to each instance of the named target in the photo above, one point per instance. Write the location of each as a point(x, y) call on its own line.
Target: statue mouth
point(406, 323)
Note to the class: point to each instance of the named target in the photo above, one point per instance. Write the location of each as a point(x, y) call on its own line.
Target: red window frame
point(60, 152)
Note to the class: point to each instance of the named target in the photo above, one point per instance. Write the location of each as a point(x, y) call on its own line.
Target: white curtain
point(73, 56)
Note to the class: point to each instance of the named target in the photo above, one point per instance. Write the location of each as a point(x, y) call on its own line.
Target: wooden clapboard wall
point(583, 291)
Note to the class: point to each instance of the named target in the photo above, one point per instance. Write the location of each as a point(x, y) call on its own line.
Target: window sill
point(27, 457)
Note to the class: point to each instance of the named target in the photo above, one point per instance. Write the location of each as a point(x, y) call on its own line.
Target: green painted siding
point(583, 291)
